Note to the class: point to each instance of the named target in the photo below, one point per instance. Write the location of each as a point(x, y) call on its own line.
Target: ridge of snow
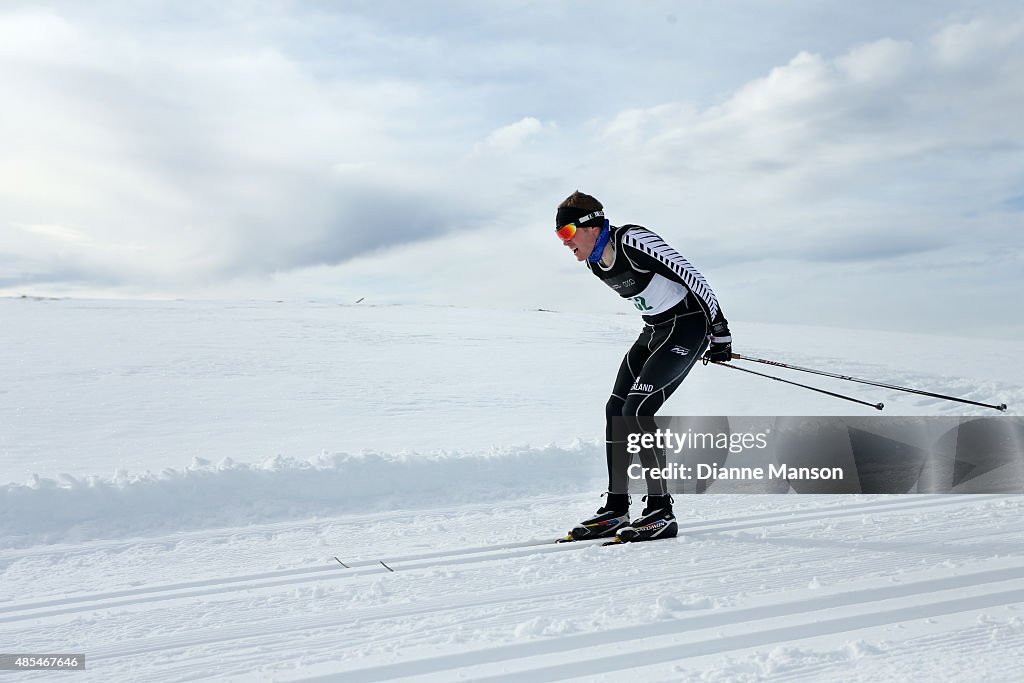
point(228, 493)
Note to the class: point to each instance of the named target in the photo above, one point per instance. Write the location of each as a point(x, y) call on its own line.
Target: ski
point(465, 555)
point(569, 538)
point(481, 553)
point(523, 548)
point(441, 554)
point(618, 541)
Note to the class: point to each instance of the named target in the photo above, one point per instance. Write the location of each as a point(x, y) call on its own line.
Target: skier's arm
point(647, 251)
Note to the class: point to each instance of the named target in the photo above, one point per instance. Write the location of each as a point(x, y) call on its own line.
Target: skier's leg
point(618, 460)
point(676, 348)
point(614, 514)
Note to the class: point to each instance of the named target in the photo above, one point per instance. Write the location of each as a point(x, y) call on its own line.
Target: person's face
point(582, 243)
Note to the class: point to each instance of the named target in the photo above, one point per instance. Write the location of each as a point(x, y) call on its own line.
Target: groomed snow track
point(779, 587)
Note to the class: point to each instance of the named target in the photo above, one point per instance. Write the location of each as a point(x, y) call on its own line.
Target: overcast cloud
point(860, 164)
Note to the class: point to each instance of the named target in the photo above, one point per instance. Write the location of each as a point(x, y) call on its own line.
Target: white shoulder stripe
point(652, 245)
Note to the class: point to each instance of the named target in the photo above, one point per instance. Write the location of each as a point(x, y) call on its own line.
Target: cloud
point(185, 150)
point(977, 42)
point(513, 136)
point(821, 152)
point(880, 62)
point(194, 161)
point(1014, 203)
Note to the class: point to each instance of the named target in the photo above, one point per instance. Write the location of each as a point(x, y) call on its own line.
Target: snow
point(183, 474)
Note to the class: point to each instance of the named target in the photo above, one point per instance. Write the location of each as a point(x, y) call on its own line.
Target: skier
point(682, 320)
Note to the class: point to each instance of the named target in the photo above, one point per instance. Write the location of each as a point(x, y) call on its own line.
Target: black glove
point(720, 350)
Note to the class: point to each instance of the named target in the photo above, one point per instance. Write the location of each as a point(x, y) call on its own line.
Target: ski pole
point(1001, 406)
point(876, 406)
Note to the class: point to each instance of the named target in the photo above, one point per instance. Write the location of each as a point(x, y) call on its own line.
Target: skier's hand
point(720, 350)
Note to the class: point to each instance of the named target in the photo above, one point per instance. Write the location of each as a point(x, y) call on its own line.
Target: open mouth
point(575, 250)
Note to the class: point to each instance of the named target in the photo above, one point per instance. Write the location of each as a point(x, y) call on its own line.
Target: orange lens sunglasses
point(568, 231)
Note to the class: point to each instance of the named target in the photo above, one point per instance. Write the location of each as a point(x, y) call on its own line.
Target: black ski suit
point(678, 309)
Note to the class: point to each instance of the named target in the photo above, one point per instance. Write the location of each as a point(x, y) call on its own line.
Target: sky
point(837, 164)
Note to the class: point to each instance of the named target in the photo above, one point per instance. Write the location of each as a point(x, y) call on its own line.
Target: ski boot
point(656, 521)
point(606, 521)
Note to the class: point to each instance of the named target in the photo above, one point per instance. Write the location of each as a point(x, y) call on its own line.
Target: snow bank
point(207, 495)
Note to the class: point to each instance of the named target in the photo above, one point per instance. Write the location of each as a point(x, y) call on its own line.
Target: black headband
point(572, 214)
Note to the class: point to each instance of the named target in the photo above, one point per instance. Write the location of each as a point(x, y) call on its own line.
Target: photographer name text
point(714, 471)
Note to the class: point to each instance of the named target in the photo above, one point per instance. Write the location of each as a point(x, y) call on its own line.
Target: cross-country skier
point(682, 320)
